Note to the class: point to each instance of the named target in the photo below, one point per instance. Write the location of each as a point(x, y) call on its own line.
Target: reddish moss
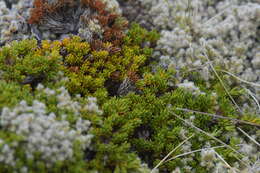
point(95, 4)
point(113, 32)
point(42, 8)
point(112, 24)
point(133, 76)
point(37, 12)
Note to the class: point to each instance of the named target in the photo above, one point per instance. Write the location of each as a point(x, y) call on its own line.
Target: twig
point(233, 170)
point(198, 68)
point(194, 151)
point(248, 136)
point(222, 83)
point(190, 152)
point(242, 80)
point(170, 153)
point(252, 95)
point(198, 129)
point(219, 116)
point(219, 14)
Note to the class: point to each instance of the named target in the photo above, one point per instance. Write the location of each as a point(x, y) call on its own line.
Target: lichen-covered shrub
point(91, 19)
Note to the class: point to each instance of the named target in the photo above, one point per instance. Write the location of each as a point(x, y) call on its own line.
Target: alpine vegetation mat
point(129, 86)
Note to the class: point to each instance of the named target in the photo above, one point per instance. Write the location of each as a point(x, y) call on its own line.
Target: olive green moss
point(11, 94)
point(23, 62)
point(144, 123)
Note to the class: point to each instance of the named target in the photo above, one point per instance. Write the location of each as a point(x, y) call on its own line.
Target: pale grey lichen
point(92, 106)
point(112, 6)
point(207, 157)
point(190, 87)
point(13, 25)
point(52, 135)
point(6, 154)
point(42, 133)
